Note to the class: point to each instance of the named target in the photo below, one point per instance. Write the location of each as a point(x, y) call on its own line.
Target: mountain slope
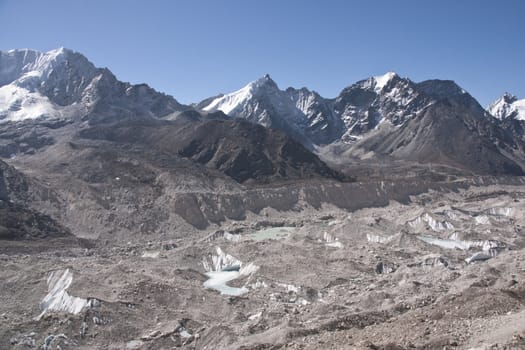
point(244, 151)
point(454, 137)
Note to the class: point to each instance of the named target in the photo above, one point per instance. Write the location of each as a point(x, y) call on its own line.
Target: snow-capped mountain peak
point(265, 82)
point(230, 102)
point(508, 106)
point(25, 64)
point(300, 112)
point(380, 81)
point(63, 83)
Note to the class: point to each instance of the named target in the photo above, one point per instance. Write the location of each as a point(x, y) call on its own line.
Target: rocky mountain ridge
point(434, 121)
point(63, 84)
point(382, 117)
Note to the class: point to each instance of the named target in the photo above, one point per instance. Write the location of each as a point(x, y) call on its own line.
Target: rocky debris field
point(443, 271)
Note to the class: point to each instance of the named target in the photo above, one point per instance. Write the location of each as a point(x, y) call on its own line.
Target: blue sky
point(194, 49)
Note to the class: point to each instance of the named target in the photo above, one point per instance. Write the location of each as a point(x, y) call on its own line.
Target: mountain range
point(386, 118)
point(434, 121)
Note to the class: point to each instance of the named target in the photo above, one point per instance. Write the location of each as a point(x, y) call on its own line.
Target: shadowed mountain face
point(19, 222)
point(17, 219)
point(243, 151)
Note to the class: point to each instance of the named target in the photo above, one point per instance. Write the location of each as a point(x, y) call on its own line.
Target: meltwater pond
point(222, 268)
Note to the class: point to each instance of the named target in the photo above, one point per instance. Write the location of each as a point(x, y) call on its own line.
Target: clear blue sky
point(194, 49)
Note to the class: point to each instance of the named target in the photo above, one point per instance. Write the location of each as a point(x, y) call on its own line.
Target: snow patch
point(374, 238)
point(482, 256)
point(18, 103)
point(151, 255)
point(230, 102)
point(289, 287)
point(331, 241)
point(255, 316)
point(454, 243)
point(231, 237)
point(382, 80)
point(489, 248)
point(445, 243)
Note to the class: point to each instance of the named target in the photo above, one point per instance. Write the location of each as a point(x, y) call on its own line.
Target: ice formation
point(433, 223)
point(57, 298)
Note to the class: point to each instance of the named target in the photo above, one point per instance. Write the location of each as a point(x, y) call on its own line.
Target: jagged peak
point(507, 97)
point(507, 106)
point(379, 82)
point(19, 63)
point(382, 80)
point(229, 102)
point(264, 82)
point(36, 54)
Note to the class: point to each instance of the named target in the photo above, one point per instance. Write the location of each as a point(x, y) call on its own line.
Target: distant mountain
point(508, 107)
point(64, 84)
point(510, 111)
point(448, 132)
point(368, 103)
point(104, 157)
point(434, 121)
point(301, 113)
point(308, 117)
point(45, 98)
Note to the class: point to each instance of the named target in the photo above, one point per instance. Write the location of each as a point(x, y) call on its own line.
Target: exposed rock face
point(447, 135)
point(368, 103)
